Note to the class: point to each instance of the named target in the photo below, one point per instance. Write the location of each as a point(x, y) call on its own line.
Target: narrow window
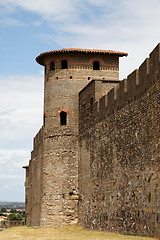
point(52, 66)
point(91, 105)
point(44, 120)
point(95, 65)
point(64, 64)
point(63, 118)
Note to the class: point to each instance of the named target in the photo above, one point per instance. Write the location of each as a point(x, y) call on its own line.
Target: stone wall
point(34, 182)
point(119, 160)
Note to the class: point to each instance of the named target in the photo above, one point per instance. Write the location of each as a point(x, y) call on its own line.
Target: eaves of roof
point(40, 57)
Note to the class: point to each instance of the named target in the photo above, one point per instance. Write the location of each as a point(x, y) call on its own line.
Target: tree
point(23, 213)
point(13, 216)
point(3, 209)
point(19, 216)
point(13, 210)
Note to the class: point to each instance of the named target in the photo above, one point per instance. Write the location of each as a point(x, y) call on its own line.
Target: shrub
point(13, 216)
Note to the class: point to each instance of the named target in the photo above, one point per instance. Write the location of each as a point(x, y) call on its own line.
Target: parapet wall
point(119, 155)
point(131, 89)
point(34, 182)
point(136, 84)
point(37, 142)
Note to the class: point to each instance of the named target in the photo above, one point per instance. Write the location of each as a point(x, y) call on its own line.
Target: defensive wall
point(34, 182)
point(119, 153)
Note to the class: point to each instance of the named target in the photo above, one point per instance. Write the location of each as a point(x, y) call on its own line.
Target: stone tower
point(52, 174)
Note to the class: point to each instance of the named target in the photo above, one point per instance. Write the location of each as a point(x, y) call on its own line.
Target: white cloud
point(95, 24)
point(20, 119)
point(13, 160)
point(129, 26)
point(12, 176)
point(8, 21)
point(48, 9)
point(5, 19)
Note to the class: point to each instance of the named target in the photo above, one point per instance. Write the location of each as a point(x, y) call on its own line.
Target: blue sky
point(29, 27)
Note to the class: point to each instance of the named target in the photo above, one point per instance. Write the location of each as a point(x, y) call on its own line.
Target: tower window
point(64, 64)
point(52, 66)
point(91, 105)
point(95, 65)
point(44, 120)
point(63, 118)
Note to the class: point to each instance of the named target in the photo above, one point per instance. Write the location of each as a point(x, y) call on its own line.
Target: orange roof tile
point(40, 58)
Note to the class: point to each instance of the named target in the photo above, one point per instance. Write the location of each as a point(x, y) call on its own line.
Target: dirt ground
point(62, 233)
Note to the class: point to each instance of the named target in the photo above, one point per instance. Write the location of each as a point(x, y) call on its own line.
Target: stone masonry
point(119, 145)
point(97, 156)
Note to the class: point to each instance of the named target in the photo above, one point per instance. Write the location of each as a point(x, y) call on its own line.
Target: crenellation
point(120, 94)
point(111, 101)
point(132, 88)
point(143, 76)
point(102, 108)
point(155, 59)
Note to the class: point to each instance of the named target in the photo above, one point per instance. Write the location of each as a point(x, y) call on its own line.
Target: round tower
point(67, 71)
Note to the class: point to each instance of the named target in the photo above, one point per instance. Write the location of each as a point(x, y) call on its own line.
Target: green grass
point(62, 233)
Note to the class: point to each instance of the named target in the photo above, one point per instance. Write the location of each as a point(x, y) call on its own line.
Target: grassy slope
point(62, 233)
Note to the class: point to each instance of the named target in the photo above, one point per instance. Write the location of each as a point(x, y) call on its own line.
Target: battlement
point(129, 90)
